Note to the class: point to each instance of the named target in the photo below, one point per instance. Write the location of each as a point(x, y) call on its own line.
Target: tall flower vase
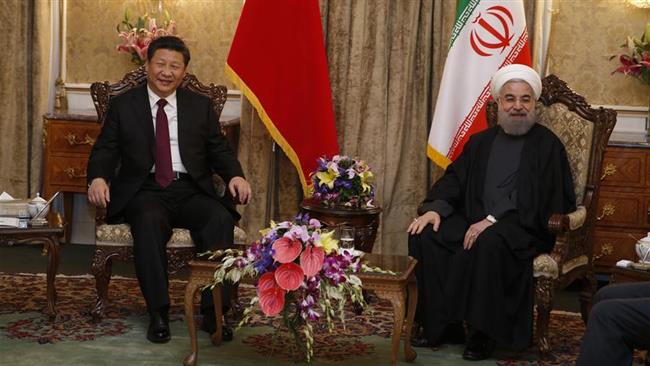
point(364, 220)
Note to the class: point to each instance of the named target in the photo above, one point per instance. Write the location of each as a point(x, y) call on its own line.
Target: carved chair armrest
point(565, 227)
point(561, 223)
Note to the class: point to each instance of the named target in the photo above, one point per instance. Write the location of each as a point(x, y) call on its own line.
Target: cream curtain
point(23, 96)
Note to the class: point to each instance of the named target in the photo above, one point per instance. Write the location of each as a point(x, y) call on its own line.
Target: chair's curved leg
point(544, 302)
point(587, 294)
point(102, 270)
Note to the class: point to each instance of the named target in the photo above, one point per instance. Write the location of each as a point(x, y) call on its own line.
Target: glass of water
point(346, 238)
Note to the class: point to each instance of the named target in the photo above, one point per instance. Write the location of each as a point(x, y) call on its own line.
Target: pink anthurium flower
point(286, 249)
point(266, 282)
point(272, 301)
point(311, 260)
point(289, 276)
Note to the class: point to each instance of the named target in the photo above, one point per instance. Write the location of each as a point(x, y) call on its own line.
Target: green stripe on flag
point(463, 11)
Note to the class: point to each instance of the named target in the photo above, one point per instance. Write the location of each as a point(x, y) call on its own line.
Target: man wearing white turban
point(483, 222)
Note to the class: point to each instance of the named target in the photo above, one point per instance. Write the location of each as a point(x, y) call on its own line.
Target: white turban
point(516, 71)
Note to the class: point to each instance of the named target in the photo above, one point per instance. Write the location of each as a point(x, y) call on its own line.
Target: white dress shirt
point(171, 109)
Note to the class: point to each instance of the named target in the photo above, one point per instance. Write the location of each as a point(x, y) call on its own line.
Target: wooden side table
point(201, 273)
point(620, 275)
point(398, 288)
point(49, 237)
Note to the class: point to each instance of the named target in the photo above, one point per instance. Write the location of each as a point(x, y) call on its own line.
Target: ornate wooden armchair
point(584, 132)
point(115, 241)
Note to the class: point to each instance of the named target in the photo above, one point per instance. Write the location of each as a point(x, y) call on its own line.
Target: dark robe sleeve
point(450, 187)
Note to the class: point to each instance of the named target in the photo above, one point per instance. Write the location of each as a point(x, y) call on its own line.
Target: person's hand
point(473, 232)
point(240, 190)
point(98, 193)
point(419, 223)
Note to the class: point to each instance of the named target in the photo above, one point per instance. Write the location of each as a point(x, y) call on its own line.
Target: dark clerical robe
point(521, 181)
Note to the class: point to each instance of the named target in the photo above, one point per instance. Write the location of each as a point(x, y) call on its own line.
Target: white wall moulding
point(630, 118)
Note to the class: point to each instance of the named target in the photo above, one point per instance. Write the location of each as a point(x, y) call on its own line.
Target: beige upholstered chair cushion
point(577, 134)
point(120, 235)
point(545, 266)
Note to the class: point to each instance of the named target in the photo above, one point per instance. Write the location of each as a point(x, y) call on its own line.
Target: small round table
point(364, 220)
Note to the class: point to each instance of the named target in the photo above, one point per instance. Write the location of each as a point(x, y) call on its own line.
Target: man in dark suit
point(152, 167)
point(619, 322)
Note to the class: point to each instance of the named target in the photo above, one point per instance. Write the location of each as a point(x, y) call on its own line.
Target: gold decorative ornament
point(605, 250)
point(608, 210)
point(610, 169)
point(72, 140)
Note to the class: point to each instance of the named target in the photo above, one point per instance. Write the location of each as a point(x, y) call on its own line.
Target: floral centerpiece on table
point(636, 62)
point(301, 273)
point(136, 37)
point(343, 181)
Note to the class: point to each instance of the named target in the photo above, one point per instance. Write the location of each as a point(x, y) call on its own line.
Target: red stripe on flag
point(277, 58)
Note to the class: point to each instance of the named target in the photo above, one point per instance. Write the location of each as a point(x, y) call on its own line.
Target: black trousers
point(153, 213)
point(487, 286)
point(619, 322)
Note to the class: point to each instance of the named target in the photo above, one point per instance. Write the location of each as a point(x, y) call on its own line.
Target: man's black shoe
point(479, 349)
point(454, 334)
point(209, 325)
point(226, 334)
point(158, 331)
point(420, 341)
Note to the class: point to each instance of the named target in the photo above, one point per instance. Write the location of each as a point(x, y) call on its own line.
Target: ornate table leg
point(218, 312)
point(199, 277)
point(412, 294)
point(193, 285)
point(51, 245)
point(397, 298)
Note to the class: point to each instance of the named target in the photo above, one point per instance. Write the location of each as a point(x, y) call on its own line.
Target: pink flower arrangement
point(637, 62)
point(136, 37)
point(302, 274)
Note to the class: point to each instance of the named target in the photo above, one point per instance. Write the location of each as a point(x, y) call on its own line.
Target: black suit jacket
point(125, 150)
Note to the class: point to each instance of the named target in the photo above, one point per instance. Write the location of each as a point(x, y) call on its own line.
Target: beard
point(516, 123)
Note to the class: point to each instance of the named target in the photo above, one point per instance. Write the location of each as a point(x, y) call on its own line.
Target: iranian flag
point(277, 59)
point(487, 35)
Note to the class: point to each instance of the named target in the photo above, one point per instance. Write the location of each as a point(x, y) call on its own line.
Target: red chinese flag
point(277, 59)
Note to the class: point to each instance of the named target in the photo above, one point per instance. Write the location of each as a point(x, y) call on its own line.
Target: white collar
point(153, 98)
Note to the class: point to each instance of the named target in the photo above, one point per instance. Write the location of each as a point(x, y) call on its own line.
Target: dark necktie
point(164, 173)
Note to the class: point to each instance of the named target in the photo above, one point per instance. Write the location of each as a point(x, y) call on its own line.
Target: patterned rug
point(25, 294)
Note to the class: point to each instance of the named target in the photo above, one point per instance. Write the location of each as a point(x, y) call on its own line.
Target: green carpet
point(27, 337)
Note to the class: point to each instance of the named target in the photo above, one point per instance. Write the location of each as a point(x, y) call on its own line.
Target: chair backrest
point(583, 130)
point(102, 92)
